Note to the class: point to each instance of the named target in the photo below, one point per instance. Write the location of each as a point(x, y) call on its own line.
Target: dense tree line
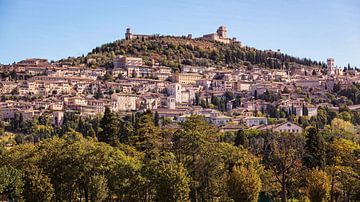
point(176, 51)
point(139, 158)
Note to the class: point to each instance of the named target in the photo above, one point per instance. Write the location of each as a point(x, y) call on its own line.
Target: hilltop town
point(177, 118)
point(244, 96)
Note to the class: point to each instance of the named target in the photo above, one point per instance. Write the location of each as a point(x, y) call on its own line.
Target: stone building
point(129, 35)
point(330, 66)
point(122, 61)
point(220, 35)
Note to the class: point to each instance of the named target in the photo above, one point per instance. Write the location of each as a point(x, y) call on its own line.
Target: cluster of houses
point(34, 86)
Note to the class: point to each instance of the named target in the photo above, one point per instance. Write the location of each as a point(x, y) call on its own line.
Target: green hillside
point(174, 51)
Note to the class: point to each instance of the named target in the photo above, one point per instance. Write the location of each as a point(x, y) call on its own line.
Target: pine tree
point(110, 127)
point(241, 139)
point(146, 137)
point(156, 119)
point(314, 156)
point(305, 110)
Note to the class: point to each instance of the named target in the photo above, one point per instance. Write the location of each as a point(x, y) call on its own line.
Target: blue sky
point(56, 29)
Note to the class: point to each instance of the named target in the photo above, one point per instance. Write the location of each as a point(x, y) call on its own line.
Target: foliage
point(317, 185)
point(168, 51)
point(314, 155)
point(11, 184)
point(38, 185)
point(98, 188)
point(170, 178)
point(133, 158)
point(244, 184)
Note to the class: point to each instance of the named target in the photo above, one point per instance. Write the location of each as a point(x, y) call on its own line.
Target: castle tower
point(128, 34)
point(222, 32)
point(330, 65)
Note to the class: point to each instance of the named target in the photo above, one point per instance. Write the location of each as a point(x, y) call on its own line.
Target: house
point(222, 85)
point(220, 120)
point(187, 78)
point(255, 121)
point(287, 127)
point(123, 102)
point(121, 62)
point(231, 127)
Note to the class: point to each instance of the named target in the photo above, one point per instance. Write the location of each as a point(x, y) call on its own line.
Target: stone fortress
point(220, 36)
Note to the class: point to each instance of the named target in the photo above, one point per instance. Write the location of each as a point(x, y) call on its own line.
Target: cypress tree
point(314, 156)
point(109, 124)
point(241, 139)
point(156, 119)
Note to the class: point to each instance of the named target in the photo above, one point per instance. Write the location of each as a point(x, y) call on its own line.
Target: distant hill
point(175, 51)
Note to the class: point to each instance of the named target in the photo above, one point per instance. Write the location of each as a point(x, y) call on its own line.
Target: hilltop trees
point(175, 51)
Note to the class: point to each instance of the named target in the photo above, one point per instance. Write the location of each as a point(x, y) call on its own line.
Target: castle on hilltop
point(220, 35)
point(129, 35)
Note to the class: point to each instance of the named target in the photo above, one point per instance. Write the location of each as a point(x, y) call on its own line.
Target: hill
point(174, 51)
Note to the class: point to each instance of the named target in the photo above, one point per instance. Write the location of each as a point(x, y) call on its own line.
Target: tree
point(98, 189)
point(244, 184)
point(343, 168)
point(341, 128)
point(237, 102)
point(197, 99)
point(282, 155)
point(229, 95)
point(98, 94)
point(195, 135)
point(317, 185)
point(305, 110)
point(321, 118)
point(44, 120)
point(70, 122)
point(11, 184)
point(193, 147)
point(42, 131)
point(16, 122)
point(108, 76)
point(241, 139)
point(156, 119)
point(314, 155)
point(170, 178)
point(37, 185)
point(146, 137)
point(2, 128)
point(110, 128)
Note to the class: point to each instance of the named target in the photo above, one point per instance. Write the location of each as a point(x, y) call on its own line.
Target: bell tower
point(128, 34)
